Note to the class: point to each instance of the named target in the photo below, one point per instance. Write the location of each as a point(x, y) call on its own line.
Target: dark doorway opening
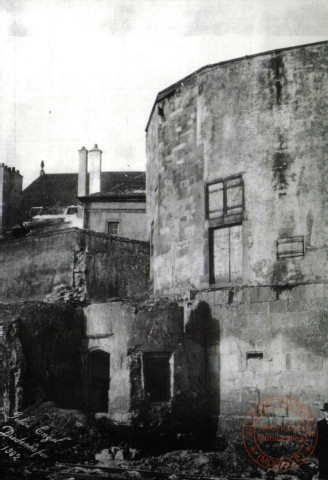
point(98, 380)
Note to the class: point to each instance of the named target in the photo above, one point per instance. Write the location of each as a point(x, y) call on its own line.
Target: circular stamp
point(280, 433)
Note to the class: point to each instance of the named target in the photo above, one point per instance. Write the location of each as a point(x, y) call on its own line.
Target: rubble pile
point(232, 462)
point(53, 434)
point(65, 436)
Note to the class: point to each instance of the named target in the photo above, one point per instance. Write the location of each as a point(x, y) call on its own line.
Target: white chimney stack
point(94, 160)
point(82, 188)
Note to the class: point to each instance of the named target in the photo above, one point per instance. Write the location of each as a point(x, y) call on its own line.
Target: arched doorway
point(98, 380)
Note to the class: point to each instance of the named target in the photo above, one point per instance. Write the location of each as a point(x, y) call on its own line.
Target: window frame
point(226, 218)
point(40, 209)
point(111, 222)
point(169, 357)
point(211, 253)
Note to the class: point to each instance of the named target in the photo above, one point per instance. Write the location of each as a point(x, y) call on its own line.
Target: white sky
point(79, 72)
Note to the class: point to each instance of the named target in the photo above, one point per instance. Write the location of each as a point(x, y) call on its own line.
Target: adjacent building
point(10, 198)
point(112, 202)
point(106, 202)
point(236, 199)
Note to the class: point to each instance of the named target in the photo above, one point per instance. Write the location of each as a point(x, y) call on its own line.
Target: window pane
point(157, 376)
point(221, 255)
point(215, 200)
point(236, 253)
point(113, 228)
point(235, 198)
point(233, 182)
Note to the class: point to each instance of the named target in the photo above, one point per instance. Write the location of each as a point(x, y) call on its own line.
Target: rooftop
point(56, 191)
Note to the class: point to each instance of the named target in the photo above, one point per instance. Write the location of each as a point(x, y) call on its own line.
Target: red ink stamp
point(280, 433)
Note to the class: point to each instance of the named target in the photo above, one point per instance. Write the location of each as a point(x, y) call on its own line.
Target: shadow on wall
point(42, 355)
point(184, 418)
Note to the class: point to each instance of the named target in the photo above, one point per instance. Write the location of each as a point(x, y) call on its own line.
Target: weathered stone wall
point(128, 330)
point(288, 327)
point(130, 215)
point(42, 355)
point(265, 119)
point(97, 266)
point(116, 267)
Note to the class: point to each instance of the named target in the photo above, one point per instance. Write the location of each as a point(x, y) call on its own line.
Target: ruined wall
point(130, 215)
point(116, 267)
point(31, 267)
point(128, 330)
point(263, 118)
point(42, 355)
point(96, 266)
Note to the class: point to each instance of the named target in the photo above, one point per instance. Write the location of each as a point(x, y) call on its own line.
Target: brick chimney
point(95, 170)
point(82, 188)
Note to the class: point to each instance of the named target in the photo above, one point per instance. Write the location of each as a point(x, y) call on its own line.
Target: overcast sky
point(79, 72)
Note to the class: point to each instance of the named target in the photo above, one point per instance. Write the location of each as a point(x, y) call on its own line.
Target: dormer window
point(71, 210)
point(35, 211)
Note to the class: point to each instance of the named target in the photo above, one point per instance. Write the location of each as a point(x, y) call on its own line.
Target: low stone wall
point(96, 266)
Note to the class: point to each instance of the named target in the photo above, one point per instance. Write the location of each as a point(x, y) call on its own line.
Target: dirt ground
point(70, 436)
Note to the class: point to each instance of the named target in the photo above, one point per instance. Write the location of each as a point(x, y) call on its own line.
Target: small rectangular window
point(113, 228)
point(290, 247)
point(157, 376)
point(254, 361)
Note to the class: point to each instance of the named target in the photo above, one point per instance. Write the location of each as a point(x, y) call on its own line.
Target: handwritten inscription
point(8, 433)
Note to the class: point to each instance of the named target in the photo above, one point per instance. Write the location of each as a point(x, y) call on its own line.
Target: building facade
point(236, 169)
point(111, 202)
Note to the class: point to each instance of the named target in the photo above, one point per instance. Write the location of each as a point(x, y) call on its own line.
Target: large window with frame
point(225, 198)
point(225, 213)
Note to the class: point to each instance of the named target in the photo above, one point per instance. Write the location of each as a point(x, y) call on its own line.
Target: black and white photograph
point(163, 239)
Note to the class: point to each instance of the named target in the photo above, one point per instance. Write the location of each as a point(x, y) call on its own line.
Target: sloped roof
point(119, 185)
point(56, 191)
point(123, 181)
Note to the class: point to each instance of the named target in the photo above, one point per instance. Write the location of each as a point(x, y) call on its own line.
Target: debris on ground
point(72, 437)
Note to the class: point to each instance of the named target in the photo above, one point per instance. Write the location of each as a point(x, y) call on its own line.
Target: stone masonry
point(252, 131)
